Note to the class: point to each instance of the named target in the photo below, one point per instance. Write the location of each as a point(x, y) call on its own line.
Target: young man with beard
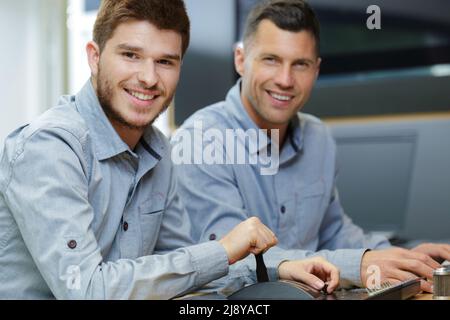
point(88, 198)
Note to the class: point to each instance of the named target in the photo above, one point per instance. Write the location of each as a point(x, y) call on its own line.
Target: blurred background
point(384, 93)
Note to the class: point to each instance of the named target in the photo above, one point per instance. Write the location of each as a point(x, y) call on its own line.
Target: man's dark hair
point(164, 14)
point(289, 15)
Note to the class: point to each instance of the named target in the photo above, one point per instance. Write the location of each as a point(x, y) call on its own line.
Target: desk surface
point(423, 296)
point(215, 296)
point(420, 296)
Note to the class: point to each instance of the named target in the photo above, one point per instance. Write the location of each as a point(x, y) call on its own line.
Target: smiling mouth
point(280, 97)
point(140, 96)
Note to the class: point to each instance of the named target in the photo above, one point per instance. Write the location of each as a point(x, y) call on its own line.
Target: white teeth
point(141, 96)
point(280, 97)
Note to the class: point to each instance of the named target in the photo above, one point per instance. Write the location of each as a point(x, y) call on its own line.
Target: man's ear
point(319, 62)
point(239, 59)
point(93, 55)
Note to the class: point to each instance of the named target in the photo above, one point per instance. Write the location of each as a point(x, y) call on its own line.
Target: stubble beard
point(105, 96)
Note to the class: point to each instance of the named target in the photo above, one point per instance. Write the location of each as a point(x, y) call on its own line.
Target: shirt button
point(72, 244)
point(125, 226)
point(283, 209)
point(212, 237)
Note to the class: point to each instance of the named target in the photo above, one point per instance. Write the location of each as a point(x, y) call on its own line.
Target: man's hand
point(313, 271)
point(397, 264)
point(250, 236)
point(438, 251)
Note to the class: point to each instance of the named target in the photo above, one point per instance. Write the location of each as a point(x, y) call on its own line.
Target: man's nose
point(284, 77)
point(148, 75)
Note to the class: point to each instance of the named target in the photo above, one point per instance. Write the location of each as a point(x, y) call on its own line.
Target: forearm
point(152, 277)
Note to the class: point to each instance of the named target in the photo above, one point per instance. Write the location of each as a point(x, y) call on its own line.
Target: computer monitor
point(375, 170)
point(394, 174)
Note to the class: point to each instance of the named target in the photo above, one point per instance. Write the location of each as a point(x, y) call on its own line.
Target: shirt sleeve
point(47, 193)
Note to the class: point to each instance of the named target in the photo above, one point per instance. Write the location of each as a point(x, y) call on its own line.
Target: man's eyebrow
point(267, 54)
point(168, 56)
point(300, 60)
point(304, 60)
point(128, 47)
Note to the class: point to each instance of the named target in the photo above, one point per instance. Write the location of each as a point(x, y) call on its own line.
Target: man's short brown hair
point(289, 15)
point(164, 14)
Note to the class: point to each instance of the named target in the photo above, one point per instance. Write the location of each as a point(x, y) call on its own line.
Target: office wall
point(396, 70)
point(32, 59)
point(208, 68)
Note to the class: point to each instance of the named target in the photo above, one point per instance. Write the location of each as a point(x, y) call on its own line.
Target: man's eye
point(270, 60)
point(165, 62)
point(303, 64)
point(130, 55)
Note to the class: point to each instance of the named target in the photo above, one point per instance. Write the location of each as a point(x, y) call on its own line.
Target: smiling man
point(135, 79)
point(88, 201)
point(279, 70)
point(279, 64)
point(89, 207)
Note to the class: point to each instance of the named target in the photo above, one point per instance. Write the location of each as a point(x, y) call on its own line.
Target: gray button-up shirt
point(299, 203)
point(83, 216)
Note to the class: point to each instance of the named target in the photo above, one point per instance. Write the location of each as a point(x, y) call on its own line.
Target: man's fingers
point(416, 267)
point(437, 252)
point(309, 279)
point(401, 275)
point(426, 286)
point(256, 250)
point(333, 282)
point(444, 251)
point(263, 240)
point(327, 272)
point(423, 257)
point(250, 236)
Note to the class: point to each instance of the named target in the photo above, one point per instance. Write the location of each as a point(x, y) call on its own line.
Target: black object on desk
point(275, 290)
point(261, 270)
point(292, 290)
point(278, 290)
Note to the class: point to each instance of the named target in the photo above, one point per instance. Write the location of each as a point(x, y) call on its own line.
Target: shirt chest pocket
point(150, 215)
point(310, 211)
